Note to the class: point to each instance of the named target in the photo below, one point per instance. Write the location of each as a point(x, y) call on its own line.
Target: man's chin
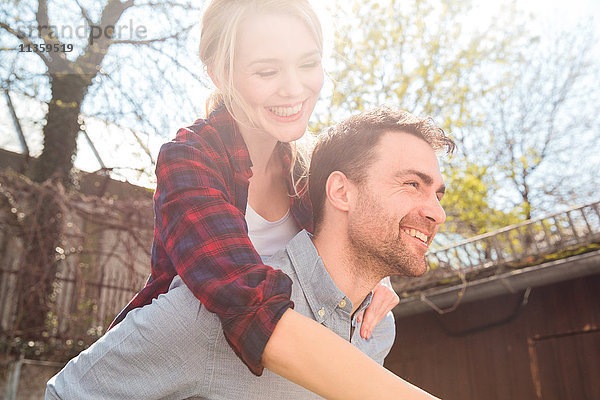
point(421, 271)
point(409, 270)
point(417, 268)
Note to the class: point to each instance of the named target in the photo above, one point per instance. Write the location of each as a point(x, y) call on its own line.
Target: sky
point(128, 155)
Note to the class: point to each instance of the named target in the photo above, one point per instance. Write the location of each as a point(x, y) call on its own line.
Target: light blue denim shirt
point(175, 349)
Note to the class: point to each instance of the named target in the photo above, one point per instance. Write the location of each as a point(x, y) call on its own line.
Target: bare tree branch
point(156, 40)
point(26, 41)
point(84, 14)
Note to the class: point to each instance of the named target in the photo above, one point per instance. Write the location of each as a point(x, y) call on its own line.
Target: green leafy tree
point(473, 214)
point(420, 56)
point(423, 56)
point(543, 119)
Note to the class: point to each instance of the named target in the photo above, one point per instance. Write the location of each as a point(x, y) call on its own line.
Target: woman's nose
point(291, 85)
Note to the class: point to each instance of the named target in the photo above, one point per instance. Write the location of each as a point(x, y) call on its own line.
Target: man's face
point(397, 211)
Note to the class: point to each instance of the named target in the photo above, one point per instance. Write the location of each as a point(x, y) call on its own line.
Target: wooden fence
point(102, 258)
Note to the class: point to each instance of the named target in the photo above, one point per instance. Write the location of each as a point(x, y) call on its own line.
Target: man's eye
point(413, 184)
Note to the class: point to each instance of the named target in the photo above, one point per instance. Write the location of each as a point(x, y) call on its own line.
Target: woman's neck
point(267, 192)
point(261, 147)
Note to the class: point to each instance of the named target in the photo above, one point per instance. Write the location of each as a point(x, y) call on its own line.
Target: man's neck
point(347, 272)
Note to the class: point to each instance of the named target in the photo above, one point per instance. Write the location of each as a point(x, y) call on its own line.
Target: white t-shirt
point(269, 237)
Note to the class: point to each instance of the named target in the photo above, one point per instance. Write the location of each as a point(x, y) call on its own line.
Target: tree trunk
point(43, 238)
point(62, 128)
point(70, 81)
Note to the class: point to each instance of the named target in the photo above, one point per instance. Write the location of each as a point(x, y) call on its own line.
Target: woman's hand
point(384, 299)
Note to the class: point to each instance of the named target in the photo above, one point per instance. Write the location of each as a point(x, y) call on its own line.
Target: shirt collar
point(323, 295)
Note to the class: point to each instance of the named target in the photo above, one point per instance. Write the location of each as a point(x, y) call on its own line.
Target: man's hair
point(349, 147)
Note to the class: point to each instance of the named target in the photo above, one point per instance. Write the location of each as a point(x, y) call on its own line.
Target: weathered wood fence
point(103, 258)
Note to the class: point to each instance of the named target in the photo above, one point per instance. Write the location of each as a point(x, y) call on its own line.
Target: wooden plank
point(493, 362)
point(569, 366)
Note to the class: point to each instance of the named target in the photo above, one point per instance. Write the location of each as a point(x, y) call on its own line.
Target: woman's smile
point(277, 83)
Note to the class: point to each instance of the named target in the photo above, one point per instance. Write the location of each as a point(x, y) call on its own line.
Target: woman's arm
point(201, 230)
point(311, 355)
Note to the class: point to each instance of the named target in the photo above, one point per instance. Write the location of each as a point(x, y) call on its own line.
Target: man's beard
point(379, 245)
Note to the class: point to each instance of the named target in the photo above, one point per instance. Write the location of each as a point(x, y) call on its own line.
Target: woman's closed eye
point(311, 64)
point(266, 73)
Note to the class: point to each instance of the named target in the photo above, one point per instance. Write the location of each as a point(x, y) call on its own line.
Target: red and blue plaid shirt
point(201, 235)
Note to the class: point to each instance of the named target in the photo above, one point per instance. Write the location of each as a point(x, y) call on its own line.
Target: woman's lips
point(286, 111)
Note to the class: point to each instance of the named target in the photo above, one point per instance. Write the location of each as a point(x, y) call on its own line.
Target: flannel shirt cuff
point(248, 333)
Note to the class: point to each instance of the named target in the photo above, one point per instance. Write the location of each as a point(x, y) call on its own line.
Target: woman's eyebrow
point(274, 60)
point(312, 53)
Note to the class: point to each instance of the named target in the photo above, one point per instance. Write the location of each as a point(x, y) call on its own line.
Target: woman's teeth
point(286, 111)
point(415, 233)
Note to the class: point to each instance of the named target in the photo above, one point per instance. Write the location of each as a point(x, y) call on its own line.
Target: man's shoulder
point(281, 260)
point(297, 254)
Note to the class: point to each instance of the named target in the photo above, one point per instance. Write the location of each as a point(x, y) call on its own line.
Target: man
point(376, 188)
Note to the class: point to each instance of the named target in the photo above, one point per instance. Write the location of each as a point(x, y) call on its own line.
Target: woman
point(264, 57)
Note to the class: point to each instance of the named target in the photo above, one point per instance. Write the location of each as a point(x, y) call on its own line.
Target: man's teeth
point(415, 233)
point(286, 111)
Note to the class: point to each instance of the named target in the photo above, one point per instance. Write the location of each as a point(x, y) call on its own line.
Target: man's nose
point(433, 210)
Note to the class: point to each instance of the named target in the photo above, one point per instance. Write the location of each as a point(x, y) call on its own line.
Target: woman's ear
point(336, 191)
point(213, 78)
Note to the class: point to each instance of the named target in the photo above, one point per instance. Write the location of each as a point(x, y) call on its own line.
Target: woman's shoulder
point(197, 141)
point(201, 133)
point(197, 157)
point(212, 136)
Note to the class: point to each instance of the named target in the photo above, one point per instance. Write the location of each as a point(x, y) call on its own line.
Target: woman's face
point(277, 71)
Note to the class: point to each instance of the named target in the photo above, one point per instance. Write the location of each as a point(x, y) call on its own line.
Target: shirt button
point(321, 312)
point(342, 303)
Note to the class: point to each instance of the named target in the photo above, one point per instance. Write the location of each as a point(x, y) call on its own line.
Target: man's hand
point(384, 299)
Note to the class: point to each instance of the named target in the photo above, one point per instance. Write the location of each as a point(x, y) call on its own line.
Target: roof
point(544, 250)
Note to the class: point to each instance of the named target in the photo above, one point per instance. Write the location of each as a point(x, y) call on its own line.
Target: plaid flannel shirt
point(201, 235)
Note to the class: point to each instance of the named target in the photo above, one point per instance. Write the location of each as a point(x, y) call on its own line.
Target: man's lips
point(417, 234)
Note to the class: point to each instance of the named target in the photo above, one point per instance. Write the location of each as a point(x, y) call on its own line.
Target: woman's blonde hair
point(220, 26)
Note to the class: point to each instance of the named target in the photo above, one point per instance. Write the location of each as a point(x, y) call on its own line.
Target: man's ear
point(336, 190)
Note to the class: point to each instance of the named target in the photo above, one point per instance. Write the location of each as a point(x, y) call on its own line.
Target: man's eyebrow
point(427, 179)
point(274, 60)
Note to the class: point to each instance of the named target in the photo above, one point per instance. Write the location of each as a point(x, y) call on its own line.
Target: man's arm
point(146, 356)
point(332, 367)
